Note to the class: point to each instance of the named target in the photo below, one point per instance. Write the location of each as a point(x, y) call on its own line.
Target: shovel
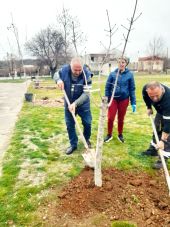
point(89, 154)
point(160, 152)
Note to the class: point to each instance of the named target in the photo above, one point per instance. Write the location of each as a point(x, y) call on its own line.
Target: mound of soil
point(135, 197)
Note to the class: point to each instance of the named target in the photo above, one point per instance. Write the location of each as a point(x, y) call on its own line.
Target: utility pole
point(15, 31)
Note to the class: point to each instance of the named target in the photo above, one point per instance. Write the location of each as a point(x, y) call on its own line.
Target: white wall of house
point(150, 65)
point(95, 61)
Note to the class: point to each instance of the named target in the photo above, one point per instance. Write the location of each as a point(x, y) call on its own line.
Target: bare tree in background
point(64, 20)
point(48, 45)
point(73, 36)
point(77, 36)
point(156, 47)
point(54, 47)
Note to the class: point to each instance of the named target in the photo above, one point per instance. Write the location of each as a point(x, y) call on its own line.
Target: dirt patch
point(135, 197)
point(47, 102)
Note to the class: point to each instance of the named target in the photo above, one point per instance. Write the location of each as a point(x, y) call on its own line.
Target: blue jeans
point(86, 119)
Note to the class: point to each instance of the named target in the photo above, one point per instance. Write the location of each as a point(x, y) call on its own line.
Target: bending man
point(158, 95)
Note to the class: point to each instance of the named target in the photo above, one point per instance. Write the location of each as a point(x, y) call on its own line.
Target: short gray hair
point(153, 84)
point(76, 60)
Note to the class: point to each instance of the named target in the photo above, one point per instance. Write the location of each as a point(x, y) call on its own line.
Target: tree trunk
point(99, 146)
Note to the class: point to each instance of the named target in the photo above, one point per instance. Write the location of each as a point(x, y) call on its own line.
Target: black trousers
point(159, 127)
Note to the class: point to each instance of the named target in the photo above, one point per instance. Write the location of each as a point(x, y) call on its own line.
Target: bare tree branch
point(131, 21)
point(65, 21)
point(107, 49)
point(137, 17)
point(48, 45)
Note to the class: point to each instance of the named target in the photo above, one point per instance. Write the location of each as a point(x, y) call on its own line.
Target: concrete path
point(11, 100)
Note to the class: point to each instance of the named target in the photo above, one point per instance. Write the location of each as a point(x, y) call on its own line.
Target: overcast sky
point(33, 15)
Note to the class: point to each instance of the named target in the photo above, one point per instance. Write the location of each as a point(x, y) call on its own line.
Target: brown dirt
point(47, 102)
point(135, 197)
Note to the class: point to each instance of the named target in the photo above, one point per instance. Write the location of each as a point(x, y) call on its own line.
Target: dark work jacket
point(162, 107)
point(125, 86)
point(65, 75)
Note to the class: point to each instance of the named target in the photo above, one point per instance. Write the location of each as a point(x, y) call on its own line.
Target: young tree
point(48, 45)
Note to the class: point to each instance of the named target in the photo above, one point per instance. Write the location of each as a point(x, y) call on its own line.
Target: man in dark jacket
point(158, 95)
point(76, 80)
point(125, 89)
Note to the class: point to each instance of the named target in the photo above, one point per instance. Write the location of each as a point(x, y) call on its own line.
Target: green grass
point(35, 160)
point(12, 81)
point(122, 224)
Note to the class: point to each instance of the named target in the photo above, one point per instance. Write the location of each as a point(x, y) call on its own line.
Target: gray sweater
point(84, 96)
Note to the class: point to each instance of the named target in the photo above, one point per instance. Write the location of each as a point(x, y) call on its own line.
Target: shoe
point(158, 164)
point(150, 152)
point(88, 143)
point(70, 150)
point(120, 138)
point(108, 138)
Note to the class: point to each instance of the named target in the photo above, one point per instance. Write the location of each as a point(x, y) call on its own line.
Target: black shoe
point(150, 152)
point(120, 138)
point(88, 143)
point(70, 150)
point(108, 138)
point(158, 164)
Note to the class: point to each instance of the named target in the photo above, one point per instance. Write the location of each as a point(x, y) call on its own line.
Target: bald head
point(76, 66)
point(155, 91)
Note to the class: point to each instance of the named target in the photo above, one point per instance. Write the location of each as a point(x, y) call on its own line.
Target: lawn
point(35, 165)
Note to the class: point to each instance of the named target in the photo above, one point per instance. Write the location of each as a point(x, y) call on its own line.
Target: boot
point(151, 151)
point(158, 164)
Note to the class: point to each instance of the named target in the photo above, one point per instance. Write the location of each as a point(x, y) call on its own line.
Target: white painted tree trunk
point(99, 146)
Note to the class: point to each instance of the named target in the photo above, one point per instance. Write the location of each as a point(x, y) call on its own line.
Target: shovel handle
point(76, 121)
point(160, 154)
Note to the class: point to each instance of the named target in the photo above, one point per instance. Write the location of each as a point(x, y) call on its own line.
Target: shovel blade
point(89, 158)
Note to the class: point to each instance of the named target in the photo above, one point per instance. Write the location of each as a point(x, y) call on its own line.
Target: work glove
point(133, 108)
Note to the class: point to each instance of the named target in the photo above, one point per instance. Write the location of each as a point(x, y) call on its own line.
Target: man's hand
point(161, 145)
point(164, 136)
point(149, 112)
point(60, 84)
point(72, 107)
